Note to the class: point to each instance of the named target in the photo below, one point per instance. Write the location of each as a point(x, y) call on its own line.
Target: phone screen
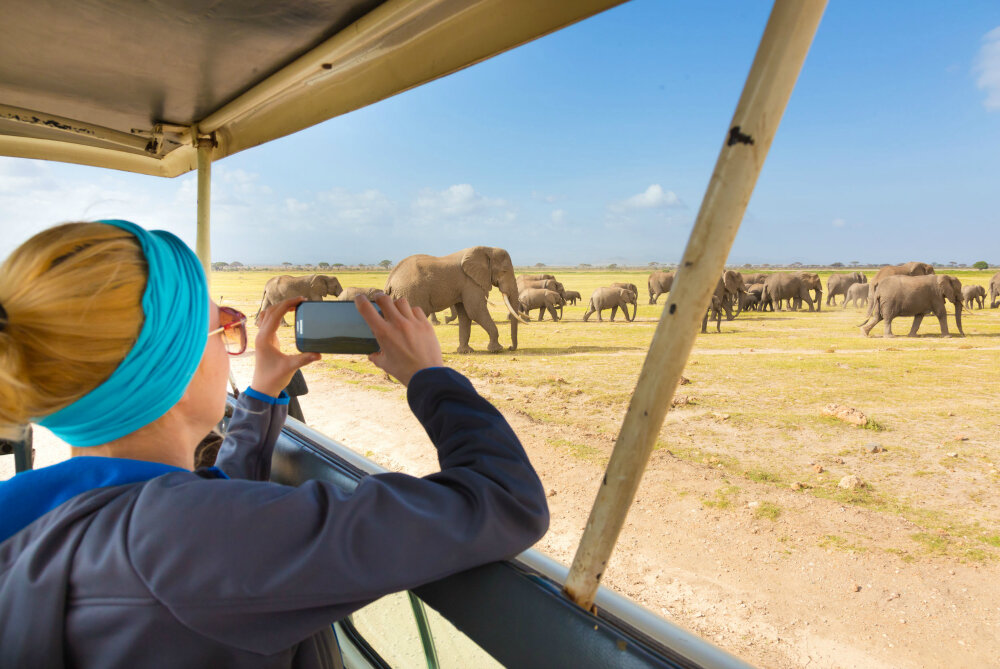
point(333, 327)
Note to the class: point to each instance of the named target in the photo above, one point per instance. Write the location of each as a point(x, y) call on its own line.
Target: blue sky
point(595, 145)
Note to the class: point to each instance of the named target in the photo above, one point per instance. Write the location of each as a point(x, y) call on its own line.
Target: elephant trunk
point(513, 332)
point(819, 299)
point(958, 316)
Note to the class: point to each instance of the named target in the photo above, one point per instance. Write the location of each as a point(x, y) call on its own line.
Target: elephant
point(973, 294)
point(546, 284)
point(535, 277)
point(838, 284)
point(611, 297)
point(734, 288)
point(462, 279)
point(312, 287)
point(995, 291)
point(755, 278)
point(542, 299)
point(351, 292)
point(626, 286)
point(913, 268)
point(715, 311)
point(447, 319)
point(902, 295)
point(659, 283)
point(857, 292)
point(751, 298)
point(717, 305)
point(794, 286)
point(572, 296)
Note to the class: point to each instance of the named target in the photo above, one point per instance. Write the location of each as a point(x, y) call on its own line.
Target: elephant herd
point(462, 281)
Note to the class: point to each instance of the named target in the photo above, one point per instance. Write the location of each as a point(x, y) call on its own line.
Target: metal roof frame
point(401, 44)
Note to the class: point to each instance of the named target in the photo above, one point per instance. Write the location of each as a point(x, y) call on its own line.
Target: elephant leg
point(464, 329)
point(552, 312)
point(888, 327)
point(867, 327)
point(452, 316)
point(917, 320)
point(614, 310)
point(541, 313)
point(704, 321)
point(434, 319)
point(589, 312)
point(599, 315)
point(481, 315)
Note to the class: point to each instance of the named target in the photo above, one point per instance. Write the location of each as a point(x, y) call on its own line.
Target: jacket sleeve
point(261, 566)
point(253, 430)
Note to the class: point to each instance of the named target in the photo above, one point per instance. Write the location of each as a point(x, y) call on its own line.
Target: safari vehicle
point(163, 90)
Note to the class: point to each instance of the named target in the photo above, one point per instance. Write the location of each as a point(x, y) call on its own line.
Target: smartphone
point(333, 327)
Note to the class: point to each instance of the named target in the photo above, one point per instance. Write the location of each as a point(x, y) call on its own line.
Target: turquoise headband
point(154, 375)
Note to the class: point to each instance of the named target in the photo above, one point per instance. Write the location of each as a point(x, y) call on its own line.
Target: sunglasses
point(233, 326)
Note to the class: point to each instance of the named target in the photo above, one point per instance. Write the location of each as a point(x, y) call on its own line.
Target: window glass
point(454, 649)
point(389, 627)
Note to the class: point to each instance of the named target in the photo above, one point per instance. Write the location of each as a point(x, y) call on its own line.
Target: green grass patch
point(768, 510)
point(762, 476)
point(874, 426)
point(723, 498)
point(932, 543)
point(992, 540)
point(579, 451)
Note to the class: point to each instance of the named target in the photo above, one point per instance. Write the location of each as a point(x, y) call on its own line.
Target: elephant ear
point(318, 282)
point(476, 265)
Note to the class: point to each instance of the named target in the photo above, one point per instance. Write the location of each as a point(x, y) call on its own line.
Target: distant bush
point(980, 264)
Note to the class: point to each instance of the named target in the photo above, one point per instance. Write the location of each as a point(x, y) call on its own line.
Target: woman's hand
point(404, 334)
point(273, 369)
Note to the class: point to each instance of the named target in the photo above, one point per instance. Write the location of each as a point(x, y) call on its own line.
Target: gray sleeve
point(260, 566)
point(253, 430)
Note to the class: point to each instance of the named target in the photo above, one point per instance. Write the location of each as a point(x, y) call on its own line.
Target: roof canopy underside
point(126, 85)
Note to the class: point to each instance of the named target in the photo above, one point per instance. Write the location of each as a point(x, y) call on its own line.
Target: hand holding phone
point(407, 340)
point(272, 368)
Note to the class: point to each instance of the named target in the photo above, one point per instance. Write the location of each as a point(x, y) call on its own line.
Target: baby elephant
point(351, 292)
point(973, 294)
point(571, 296)
point(541, 299)
point(915, 296)
point(857, 292)
point(612, 298)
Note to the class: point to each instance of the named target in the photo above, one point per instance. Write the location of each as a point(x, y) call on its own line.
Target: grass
point(768, 510)
point(723, 498)
point(771, 373)
point(579, 451)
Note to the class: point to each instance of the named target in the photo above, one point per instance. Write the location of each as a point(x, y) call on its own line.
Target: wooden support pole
point(203, 243)
point(783, 48)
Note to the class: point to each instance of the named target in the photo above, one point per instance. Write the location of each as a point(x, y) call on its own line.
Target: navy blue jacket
point(160, 567)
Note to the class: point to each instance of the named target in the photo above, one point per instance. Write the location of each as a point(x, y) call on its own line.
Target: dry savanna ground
point(746, 471)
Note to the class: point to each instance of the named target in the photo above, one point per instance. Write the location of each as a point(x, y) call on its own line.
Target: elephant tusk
point(513, 312)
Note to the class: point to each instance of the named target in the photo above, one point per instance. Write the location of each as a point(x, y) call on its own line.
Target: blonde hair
point(73, 297)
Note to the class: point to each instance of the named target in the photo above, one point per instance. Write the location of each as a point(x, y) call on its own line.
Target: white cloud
point(558, 216)
point(839, 222)
point(987, 66)
point(653, 197)
point(458, 207)
point(543, 197)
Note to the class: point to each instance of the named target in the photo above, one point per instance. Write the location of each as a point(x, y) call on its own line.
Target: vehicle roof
point(120, 84)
